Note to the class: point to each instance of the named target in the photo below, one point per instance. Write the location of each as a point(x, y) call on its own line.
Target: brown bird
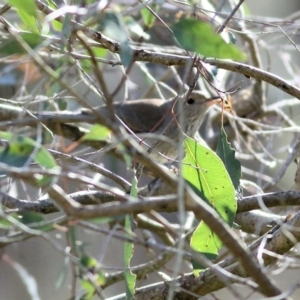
point(157, 123)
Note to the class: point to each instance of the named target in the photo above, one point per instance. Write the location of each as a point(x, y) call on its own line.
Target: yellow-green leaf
point(206, 173)
point(97, 133)
point(148, 17)
point(27, 11)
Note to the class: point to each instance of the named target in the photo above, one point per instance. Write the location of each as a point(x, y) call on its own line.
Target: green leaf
point(27, 11)
point(148, 17)
point(35, 220)
point(227, 155)
point(100, 52)
point(5, 224)
point(130, 278)
point(199, 36)
point(52, 4)
point(92, 265)
point(45, 159)
point(103, 220)
point(89, 262)
point(27, 6)
point(21, 151)
point(12, 46)
point(205, 241)
point(97, 133)
point(206, 173)
point(134, 189)
point(28, 217)
point(89, 288)
point(16, 155)
point(56, 24)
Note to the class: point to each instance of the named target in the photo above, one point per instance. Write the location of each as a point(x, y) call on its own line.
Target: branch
point(202, 210)
point(269, 200)
point(180, 60)
point(94, 167)
point(252, 222)
point(46, 206)
point(279, 243)
point(256, 73)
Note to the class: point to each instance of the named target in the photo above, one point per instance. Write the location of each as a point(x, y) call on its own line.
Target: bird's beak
point(226, 103)
point(214, 100)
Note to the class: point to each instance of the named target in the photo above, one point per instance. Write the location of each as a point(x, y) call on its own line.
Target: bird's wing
point(142, 117)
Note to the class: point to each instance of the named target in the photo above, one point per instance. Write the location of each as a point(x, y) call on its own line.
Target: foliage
point(206, 173)
point(110, 194)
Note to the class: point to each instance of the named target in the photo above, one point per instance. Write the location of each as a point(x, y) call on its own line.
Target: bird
point(156, 122)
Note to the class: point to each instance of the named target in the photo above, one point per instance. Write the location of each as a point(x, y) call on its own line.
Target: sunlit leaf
point(89, 288)
point(27, 6)
point(100, 52)
point(88, 262)
point(56, 24)
point(28, 13)
point(199, 36)
point(206, 173)
point(97, 133)
point(148, 17)
point(205, 241)
point(90, 265)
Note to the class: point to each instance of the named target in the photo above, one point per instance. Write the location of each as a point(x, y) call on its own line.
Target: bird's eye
point(190, 101)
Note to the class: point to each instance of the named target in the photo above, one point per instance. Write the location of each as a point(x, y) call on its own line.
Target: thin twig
point(94, 167)
point(230, 16)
